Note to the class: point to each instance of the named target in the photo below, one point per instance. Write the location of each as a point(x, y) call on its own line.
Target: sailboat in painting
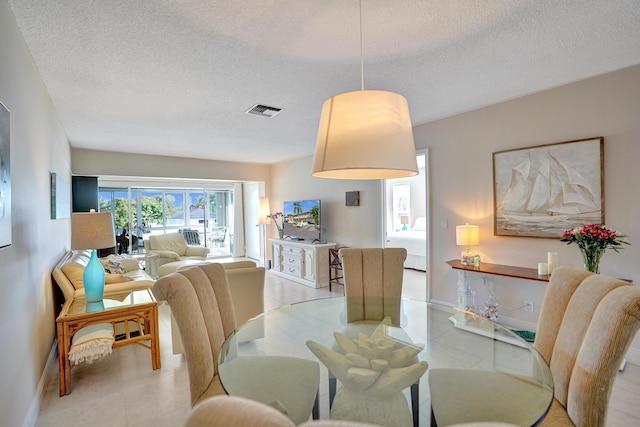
point(547, 192)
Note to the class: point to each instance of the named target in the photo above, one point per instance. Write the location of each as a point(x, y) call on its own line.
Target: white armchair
point(173, 247)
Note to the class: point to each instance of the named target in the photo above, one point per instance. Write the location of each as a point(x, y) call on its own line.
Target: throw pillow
point(113, 265)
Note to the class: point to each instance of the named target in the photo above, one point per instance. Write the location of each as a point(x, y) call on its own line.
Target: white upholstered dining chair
point(587, 322)
point(230, 411)
point(373, 290)
point(200, 300)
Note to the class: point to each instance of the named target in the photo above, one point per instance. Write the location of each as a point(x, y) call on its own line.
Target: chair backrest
point(587, 323)
point(191, 236)
point(231, 411)
point(200, 301)
point(373, 282)
point(174, 242)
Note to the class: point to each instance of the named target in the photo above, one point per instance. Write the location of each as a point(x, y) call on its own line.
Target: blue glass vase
point(93, 279)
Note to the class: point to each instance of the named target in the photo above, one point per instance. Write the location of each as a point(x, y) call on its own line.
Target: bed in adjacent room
point(414, 241)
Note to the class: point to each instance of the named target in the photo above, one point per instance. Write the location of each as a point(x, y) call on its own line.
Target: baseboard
point(517, 324)
point(633, 356)
point(34, 408)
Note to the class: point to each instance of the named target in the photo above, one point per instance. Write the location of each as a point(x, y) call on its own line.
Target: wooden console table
point(501, 270)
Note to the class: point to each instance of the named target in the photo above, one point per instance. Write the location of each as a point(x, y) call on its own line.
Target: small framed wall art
point(60, 197)
point(352, 198)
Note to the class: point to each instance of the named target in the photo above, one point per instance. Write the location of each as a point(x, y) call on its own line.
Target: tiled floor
point(123, 390)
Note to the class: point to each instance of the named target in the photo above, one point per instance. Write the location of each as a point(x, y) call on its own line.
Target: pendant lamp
point(365, 134)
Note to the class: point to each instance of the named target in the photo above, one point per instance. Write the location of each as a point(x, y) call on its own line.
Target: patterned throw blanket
point(91, 343)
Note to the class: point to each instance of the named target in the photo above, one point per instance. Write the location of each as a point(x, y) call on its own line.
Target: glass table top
point(445, 338)
point(80, 306)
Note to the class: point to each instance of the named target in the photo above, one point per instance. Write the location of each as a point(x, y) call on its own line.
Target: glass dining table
point(371, 358)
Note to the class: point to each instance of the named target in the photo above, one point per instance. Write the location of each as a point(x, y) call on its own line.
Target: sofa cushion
point(137, 275)
point(70, 269)
point(238, 264)
point(116, 278)
point(74, 269)
point(172, 267)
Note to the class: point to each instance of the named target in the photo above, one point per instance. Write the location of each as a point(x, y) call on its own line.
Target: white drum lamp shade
point(467, 235)
point(364, 135)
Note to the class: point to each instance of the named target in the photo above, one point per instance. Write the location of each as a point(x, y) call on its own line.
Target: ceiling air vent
point(263, 111)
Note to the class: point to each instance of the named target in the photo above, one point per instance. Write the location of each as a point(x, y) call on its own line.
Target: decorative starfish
point(373, 366)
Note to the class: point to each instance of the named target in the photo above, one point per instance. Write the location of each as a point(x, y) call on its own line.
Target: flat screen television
point(302, 220)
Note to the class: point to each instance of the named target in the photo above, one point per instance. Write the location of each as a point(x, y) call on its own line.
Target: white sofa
point(172, 247)
point(69, 270)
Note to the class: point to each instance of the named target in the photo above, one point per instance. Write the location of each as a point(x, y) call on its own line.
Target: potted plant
point(278, 220)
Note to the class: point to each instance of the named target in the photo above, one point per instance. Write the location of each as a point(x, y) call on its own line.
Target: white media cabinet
point(303, 262)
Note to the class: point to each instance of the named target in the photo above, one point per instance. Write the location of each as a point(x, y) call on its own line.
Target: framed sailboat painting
point(544, 190)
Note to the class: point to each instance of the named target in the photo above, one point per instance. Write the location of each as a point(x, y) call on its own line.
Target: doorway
point(252, 230)
point(406, 220)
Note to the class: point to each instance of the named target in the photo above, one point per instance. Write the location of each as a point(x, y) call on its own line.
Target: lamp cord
point(361, 52)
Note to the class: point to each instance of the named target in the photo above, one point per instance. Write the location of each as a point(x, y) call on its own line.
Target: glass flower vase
point(592, 259)
point(281, 234)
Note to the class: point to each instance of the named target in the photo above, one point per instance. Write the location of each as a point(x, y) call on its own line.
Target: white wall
point(461, 150)
point(461, 185)
point(348, 226)
point(38, 146)
point(92, 162)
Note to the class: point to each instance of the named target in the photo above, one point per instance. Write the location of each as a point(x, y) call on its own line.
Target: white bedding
point(415, 242)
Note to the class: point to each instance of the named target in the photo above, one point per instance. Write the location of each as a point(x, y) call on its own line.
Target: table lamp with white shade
point(92, 230)
point(467, 235)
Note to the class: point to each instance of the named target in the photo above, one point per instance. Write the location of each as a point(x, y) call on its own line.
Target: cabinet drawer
point(292, 260)
point(292, 270)
point(290, 250)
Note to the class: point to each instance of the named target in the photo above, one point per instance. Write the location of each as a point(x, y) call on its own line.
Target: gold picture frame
point(542, 191)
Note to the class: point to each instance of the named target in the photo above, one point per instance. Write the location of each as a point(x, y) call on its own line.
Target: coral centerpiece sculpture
point(373, 371)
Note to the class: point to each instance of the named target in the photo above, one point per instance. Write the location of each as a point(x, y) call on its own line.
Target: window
point(159, 211)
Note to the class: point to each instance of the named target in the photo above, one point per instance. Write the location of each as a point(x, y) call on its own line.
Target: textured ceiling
point(175, 77)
